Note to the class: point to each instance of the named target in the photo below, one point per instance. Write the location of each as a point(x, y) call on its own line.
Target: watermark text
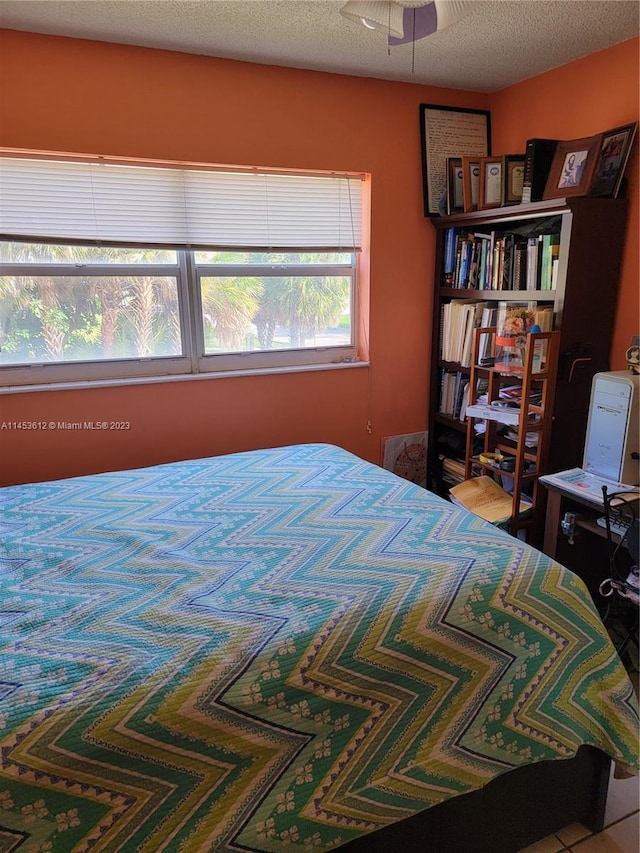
point(64, 426)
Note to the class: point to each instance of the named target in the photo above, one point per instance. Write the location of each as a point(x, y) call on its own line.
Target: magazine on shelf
point(577, 481)
point(484, 497)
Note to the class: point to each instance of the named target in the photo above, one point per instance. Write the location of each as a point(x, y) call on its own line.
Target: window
point(90, 289)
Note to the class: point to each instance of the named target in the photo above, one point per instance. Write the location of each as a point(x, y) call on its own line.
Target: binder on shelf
point(538, 158)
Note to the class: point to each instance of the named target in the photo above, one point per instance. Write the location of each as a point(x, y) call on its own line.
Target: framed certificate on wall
point(447, 132)
point(491, 178)
point(512, 178)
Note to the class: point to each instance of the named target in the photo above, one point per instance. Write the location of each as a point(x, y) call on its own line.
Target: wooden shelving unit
point(530, 418)
point(591, 233)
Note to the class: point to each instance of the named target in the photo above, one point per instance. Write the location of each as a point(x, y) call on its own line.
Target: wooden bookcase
point(591, 239)
point(532, 419)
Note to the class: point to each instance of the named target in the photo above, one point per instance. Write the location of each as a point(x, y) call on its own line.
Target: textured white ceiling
point(499, 43)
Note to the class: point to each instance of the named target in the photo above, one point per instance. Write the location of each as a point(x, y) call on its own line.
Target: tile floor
point(622, 826)
point(621, 820)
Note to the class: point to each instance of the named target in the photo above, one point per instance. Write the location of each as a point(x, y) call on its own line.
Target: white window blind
point(112, 203)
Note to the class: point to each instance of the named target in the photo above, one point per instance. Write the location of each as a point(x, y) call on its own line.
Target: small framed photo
point(513, 178)
point(470, 182)
point(490, 182)
point(455, 199)
point(573, 167)
point(612, 159)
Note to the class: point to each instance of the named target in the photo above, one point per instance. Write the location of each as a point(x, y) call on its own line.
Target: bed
point(291, 649)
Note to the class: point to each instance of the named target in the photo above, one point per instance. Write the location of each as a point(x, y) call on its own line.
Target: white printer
point(612, 446)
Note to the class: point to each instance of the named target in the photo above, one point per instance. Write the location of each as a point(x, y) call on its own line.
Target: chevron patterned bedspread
point(274, 650)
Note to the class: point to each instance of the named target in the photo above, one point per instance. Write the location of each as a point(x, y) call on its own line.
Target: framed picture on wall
point(513, 178)
point(470, 183)
point(449, 132)
point(491, 178)
point(612, 160)
point(455, 198)
point(573, 167)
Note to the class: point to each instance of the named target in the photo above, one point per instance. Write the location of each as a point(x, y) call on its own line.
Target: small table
point(555, 498)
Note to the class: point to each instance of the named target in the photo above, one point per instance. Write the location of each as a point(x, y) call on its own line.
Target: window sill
point(180, 377)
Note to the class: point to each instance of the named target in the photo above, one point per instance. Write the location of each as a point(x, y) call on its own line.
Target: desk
point(595, 562)
point(554, 514)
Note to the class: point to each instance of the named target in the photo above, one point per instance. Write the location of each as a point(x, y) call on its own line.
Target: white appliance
point(612, 446)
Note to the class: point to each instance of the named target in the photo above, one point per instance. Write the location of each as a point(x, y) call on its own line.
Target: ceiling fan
point(406, 21)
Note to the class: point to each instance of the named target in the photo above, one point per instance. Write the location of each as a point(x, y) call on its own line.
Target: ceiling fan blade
point(425, 20)
point(418, 22)
point(450, 11)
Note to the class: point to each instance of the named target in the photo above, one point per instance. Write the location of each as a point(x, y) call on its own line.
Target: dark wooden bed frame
point(511, 812)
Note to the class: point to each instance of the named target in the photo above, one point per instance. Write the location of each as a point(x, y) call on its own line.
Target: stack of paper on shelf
point(586, 485)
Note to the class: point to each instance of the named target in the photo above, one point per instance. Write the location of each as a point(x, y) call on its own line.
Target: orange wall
point(80, 96)
point(74, 95)
point(585, 97)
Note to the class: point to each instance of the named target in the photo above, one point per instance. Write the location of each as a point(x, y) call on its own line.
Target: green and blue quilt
point(281, 649)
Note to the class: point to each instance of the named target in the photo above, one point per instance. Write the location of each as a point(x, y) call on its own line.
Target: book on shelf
point(513, 394)
point(538, 158)
point(459, 320)
point(462, 260)
point(550, 251)
point(464, 402)
point(519, 281)
point(543, 317)
point(474, 318)
point(452, 391)
point(506, 276)
point(499, 260)
point(446, 392)
point(488, 320)
point(464, 256)
point(453, 469)
point(449, 256)
point(484, 497)
point(444, 321)
point(488, 272)
point(532, 263)
point(474, 265)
